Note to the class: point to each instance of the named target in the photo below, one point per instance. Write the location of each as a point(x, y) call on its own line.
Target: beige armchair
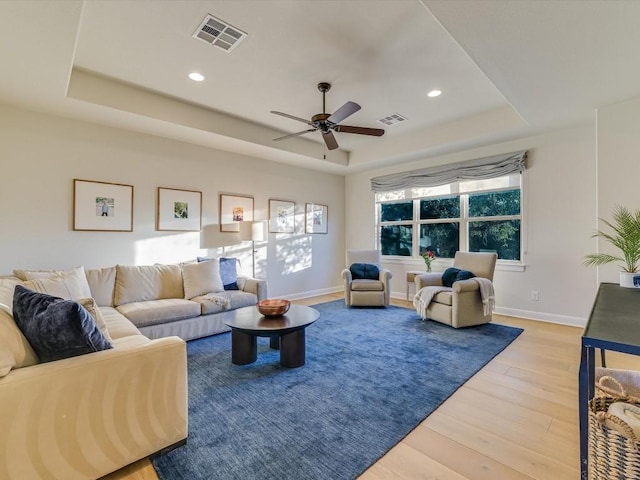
point(461, 307)
point(364, 292)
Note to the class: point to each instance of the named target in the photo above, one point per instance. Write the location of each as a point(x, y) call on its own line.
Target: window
point(473, 216)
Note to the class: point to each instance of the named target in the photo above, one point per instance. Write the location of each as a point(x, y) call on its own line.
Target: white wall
point(618, 168)
point(40, 155)
point(560, 206)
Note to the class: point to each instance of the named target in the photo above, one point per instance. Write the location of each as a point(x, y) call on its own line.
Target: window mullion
point(464, 223)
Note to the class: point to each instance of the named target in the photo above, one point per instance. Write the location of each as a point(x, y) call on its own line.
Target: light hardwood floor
point(516, 419)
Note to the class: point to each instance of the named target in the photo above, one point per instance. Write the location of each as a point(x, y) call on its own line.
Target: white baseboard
point(541, 316)
point(314, 293)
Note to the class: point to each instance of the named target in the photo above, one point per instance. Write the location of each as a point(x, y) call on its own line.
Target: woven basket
point(614, 451)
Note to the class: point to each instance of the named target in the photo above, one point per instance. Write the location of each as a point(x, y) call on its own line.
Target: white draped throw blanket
point(218, 299)
point(487, 293)
point(423, 297)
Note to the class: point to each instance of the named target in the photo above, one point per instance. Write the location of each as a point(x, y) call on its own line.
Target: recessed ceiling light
point(196, 77)
point(434, 93)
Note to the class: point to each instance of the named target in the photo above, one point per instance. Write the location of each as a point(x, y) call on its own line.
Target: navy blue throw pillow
point(464, 275)
point(364, 271)
point(229, 273)
point(54, 327)
point(449, 276)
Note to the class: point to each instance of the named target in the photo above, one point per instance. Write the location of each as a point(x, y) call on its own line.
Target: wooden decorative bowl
point(273, 307)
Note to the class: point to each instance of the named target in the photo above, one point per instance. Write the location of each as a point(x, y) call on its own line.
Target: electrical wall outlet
point(534, 295)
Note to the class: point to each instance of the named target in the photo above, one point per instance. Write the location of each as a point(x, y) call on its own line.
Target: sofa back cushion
point(59, 286)
point(201, 278)
point(139, 283)
point(15, 350)
point(102, 282)
point(74, 278)
point(7, 285)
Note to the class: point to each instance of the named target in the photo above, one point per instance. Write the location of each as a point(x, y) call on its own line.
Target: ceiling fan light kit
point(328, 123)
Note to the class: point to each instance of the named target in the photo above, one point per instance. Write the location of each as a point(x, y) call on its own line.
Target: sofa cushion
point(59, 286)
point(138, 283)
point(7, 362)
point(54, 327)
point(15, 351)
point(228, 300)
point(445, 298)
point(91, 306)
point(152, 312)
point(118, 325)
point(102, 282)
point(201, 278)
point(367, 286)
point(7, 284)
point(364, 271)
point(74, 279)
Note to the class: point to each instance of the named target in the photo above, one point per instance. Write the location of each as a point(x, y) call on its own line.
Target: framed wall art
point(179, 210)
point(102, 206)
point(281, 216)
point(316, 218)
point(234, 209)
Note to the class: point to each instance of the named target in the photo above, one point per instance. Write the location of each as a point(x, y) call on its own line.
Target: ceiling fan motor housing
point(321, 121)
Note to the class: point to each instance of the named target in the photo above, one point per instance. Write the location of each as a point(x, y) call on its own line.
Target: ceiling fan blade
point(292, 117)
point(376, 132)
point(330, 140)
point(343, 112)
point(295, 134)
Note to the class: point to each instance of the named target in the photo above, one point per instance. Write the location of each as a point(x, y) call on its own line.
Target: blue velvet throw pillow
point(229, 273)
point(449, 276)
point(464, 275)
point(453, 274)
point(364, 271)
point(54, 327)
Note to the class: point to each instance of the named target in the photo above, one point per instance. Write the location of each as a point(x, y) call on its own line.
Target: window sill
point(443, 264)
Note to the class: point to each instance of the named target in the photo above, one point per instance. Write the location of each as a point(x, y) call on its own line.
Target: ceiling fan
point(328, 123)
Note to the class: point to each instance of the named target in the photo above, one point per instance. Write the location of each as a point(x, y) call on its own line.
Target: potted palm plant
point(625, 236)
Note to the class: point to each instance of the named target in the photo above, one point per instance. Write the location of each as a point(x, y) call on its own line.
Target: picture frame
point(233, 210)
point(179, 210)
point(282, 216)
point(102, 206)
point(316, 218)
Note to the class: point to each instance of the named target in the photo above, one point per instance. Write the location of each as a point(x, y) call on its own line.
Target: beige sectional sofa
point(86, 416)
point(166, 300)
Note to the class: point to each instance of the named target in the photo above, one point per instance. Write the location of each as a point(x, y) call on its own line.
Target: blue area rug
point(371, 376)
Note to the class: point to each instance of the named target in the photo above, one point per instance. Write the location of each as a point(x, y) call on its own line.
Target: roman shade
point(477, 169)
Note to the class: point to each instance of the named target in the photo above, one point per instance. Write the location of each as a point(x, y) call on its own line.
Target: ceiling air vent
point(218, 33)
point(393, 119)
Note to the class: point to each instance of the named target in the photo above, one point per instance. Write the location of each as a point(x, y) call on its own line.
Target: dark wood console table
point(614, 324)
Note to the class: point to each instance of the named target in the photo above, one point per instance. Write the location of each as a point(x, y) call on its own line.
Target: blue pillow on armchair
point(453, 274)
point(364, 271)
point(449, 276)
point(464, 275)
point(54, 327)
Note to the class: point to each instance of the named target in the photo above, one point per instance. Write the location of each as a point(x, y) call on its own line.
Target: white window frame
point(516, 181)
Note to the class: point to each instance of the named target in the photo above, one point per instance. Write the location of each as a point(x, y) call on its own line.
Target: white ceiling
point(506, 69)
